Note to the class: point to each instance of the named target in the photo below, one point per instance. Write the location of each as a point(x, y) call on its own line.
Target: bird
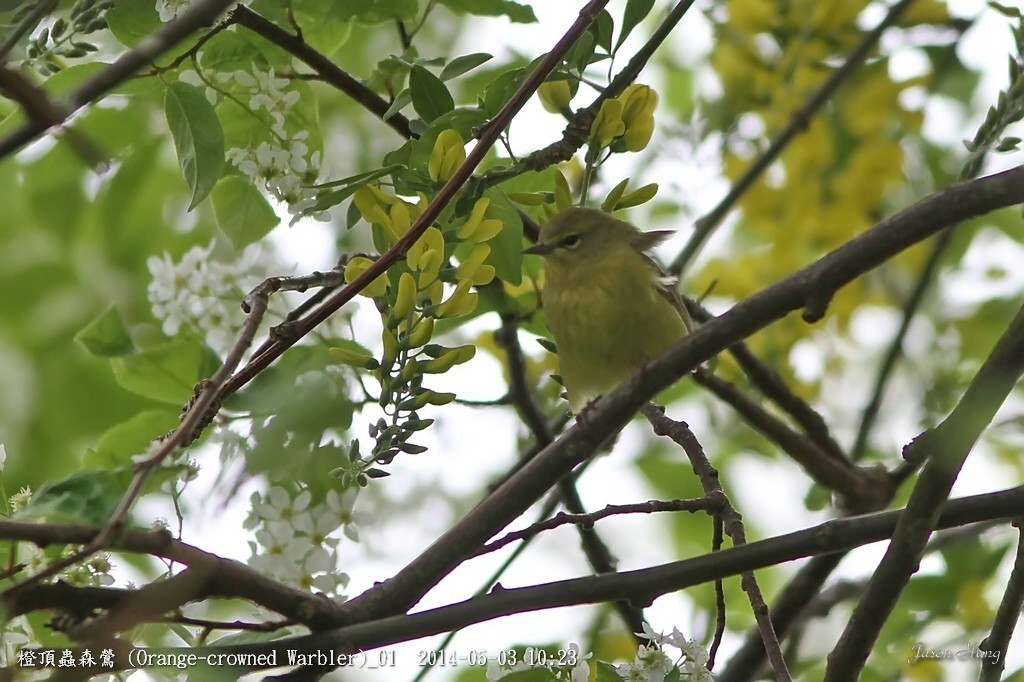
point(608, 305)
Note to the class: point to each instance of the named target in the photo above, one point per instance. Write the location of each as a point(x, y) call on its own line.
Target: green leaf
point(635, 12)
point(198, 138)
point(507, 247)
point(106, 336)
point(130, 21)
point(516, 12)
point(373, 11)
point(228, 51)
point(403, 98)
point(243, 214)
point(323, 24)
point(582, 53)
point(131, 437)
point(603, 28)
point(500, 90)
point(166, 373)
point(430, 97)
point(83, 497)
point(461, 65)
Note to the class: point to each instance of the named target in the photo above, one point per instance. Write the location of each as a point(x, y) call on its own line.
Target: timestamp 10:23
point(441, 658)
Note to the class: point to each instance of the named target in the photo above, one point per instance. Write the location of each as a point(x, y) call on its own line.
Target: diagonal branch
point(944, 449)
point(200, 13)
point(610, 413)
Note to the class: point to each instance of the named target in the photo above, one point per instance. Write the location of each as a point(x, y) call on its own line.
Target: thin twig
point(997, 644)
point(598, 555)
point(861, 489)
point(772, 386)
point(562, 519)
point(577, 130)
point(731, 521)
point(324, 67)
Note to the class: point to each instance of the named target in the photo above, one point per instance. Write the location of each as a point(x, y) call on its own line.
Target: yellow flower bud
point(638, 135)
point(430, 263)
point(638, 103)
point(448, 359)
point(366, 201)
point(476, 216)
point(400, 221)
point(529, 198)
point(438, 398)
point(608, 123)
point(405, 298)
point(390, 342)
point(487, 229)
point(357, 266)
point(353, 358)
point(421, 333)
point(484, 275)
point(408, 370)
point(475, 259)
point(461, 302)
point(430, 239)
point(434, 292)
point(555, 96)
point(448, 154)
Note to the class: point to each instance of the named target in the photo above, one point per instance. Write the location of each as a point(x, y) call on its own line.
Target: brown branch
point(731, 521)
point(610, 413)
point(562, 519)
point(861, 489)
point(944, 449)
point(641, 585)
point(39, 108)
point(577, 130)
point(327, 70)
point(773, 387)
point(228, 578)
point(200, 13)
point(998, 641)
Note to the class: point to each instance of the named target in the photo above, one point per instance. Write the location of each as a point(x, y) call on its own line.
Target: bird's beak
point(539, 249)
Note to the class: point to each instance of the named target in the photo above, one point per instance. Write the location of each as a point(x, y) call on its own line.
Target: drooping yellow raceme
point(607, 304)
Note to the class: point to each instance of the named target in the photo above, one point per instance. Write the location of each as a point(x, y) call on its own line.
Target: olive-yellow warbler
point(608, 305)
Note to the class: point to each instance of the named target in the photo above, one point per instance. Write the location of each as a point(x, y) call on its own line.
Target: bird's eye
point(572, 241)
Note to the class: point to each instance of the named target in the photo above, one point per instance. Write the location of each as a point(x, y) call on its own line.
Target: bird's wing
point(667, 287)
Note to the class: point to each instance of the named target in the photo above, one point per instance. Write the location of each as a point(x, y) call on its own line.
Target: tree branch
point(945, 449)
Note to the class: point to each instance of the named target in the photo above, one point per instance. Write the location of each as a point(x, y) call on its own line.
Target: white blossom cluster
point(283, 164)
point(170, 9)
point(293, 543)
point(652, 664)
point(203, 295)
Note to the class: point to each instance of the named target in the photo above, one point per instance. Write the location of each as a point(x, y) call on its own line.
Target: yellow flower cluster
point(448, 154)
point(626, 123)
point(832, 180)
